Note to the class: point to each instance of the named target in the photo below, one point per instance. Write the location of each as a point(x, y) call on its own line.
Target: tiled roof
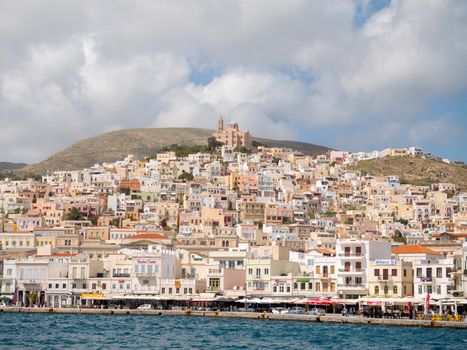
point(413, 249)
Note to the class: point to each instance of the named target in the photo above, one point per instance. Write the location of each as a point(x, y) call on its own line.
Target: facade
point(232, 136)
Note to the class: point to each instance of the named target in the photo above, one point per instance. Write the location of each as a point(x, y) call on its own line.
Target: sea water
point(60, 331)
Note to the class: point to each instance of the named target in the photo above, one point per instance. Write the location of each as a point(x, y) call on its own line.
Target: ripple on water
point(58, 331)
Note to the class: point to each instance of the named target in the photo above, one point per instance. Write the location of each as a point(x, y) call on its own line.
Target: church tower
point(220, 124)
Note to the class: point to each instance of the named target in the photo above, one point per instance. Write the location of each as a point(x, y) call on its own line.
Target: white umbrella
point(241, 301)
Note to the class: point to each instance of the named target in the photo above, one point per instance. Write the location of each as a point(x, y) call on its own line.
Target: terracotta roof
point(413, 249)
point(148, 236)
point(323, 250)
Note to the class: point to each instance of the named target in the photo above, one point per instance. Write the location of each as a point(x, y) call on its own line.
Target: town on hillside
point(234, 224)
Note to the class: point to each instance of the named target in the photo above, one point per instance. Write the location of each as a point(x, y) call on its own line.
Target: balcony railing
point(352, 270)
point(351, 255)
point(426, 279)
point(121, 274)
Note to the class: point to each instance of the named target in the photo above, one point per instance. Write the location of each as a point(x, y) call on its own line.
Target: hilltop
point(116, 145)
point(416, 171)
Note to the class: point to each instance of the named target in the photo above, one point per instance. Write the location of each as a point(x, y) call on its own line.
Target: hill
point(8, 169)
point(116, 145)
point(416, 171)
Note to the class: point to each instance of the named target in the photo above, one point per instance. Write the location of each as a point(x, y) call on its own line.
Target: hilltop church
point(232, 136)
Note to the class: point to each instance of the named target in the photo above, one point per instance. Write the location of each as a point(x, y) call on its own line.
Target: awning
point(204, 300)
point(318, 301)
point(93, 296)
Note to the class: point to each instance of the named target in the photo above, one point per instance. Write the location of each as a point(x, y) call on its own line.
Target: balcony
point(351, 271)
point(121, 274)
point(351, 255)
point(143, 275)
point(426, 279)
point(351, 286)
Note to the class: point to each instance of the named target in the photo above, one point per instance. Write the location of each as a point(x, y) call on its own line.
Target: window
point(394, 272)
point(177, 291)
point(84, 285)
point(170, 290)
point(358, 250)
point(104, 286)
point(274, 288)
point(310, 286)
point(258, 272)
point(250, 271)
point(429, 289)
point(266, 271)
point(317, 287)
point(428, 272)
point(74, 285)
point(303, 286)
point(376, 274)
point(439, 272)
point(376, 290)
point(438, 289)
point(394, 290)
point(56, 285)
point(386, 289)
point(50, 285)
point(190, 290)
point(318, 270)
point(405, 273)
point(419, 272)
point(163, 290)
point(64, 285)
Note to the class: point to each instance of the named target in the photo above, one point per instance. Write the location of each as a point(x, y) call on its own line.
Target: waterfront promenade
point(333, 318)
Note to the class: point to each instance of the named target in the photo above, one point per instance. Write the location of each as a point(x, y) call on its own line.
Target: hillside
point(116, 145)
point(415, 171)
point(8, 169)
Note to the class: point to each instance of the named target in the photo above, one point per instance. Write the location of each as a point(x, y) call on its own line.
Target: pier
point(332, 318)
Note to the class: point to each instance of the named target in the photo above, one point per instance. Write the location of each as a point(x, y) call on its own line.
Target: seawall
point(249, 315)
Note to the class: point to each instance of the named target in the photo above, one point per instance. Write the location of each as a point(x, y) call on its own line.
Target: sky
point(355, 75)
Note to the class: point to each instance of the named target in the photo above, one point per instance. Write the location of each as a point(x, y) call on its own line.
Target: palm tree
point(32, 297)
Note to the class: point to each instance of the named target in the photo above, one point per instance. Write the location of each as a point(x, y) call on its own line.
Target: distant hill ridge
point(116, 145)
point(416, 171)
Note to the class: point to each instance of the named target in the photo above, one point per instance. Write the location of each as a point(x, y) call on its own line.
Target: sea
point(72, 331)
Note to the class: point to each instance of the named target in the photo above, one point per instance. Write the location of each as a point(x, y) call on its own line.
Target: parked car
point(297, 310)
point(280, 311)
point(316, 311)
point(145, 307)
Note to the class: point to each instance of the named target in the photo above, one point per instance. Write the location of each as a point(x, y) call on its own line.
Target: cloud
point(282, 70)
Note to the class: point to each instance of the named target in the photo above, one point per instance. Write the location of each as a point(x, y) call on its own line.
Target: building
point(232, 136)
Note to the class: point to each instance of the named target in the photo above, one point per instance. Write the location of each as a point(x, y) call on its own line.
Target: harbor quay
point(331, 318)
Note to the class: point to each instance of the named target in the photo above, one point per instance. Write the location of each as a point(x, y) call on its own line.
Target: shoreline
point(329, 318)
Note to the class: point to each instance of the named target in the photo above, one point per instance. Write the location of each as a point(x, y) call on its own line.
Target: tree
point(243, 149)
point(257, 144)
point(31, 297)
point(74, 214)
point(213, 144)
point(399, 237)
point(186, 176)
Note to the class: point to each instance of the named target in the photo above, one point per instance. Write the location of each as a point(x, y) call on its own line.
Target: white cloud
point(282, 68)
